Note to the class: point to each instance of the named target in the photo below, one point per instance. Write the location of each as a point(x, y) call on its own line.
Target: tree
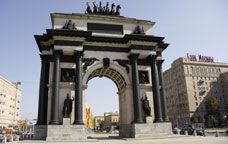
point(212, 106)
point(211, 111)
point(194, 119)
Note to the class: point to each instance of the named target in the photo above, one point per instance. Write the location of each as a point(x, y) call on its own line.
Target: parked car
point(190, 130)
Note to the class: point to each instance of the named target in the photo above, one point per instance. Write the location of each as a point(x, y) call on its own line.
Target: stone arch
point(115, 67)
point(120, 77)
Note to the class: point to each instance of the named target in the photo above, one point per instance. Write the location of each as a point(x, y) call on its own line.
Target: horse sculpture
point(88, 9)
point(118, 10)
point(105, 10)
point(94, 8)
point(112, 11)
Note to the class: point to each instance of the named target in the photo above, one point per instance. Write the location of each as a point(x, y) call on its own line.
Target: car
point(190, 131)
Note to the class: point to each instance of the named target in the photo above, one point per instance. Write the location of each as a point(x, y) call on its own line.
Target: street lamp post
point(225, 120)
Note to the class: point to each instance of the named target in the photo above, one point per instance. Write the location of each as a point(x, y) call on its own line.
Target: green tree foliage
point(212, 111)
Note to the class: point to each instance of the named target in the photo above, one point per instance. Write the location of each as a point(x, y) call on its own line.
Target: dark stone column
point(156, 91)
point(78, 89)
point(135, 83)
point(41, 104)
point(162, 92)
point(45, 105)
point(55, 89)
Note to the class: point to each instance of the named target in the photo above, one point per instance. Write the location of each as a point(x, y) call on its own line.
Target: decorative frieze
point(123, 63)
point(88, 62)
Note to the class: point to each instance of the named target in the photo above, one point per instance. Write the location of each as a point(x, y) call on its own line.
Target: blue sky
point(190, 26)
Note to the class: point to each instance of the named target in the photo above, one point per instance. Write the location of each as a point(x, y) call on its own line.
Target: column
point(41, 110)
point(162, 92)
point(55, 89)
point(156, 91)
point(47, 67)
point(135, 83)
point(78, 89)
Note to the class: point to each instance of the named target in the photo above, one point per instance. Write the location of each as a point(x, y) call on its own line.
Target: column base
point(166, 120)
point(54, 122)
point(78, 123)
point(138, 121)
point(158, 120)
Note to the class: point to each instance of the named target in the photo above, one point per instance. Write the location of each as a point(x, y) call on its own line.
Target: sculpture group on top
point(103, 10)
point(69, 25)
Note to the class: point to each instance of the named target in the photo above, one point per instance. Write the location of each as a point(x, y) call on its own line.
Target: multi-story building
point(224, 78)
point(10, 94)
point(109, 121)
point(98, 120)
point(188, 83)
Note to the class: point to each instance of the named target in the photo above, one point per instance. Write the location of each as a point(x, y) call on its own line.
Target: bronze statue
point(69, 25)
point(138, 30)
point(146, 106)
point(112, 11)
point(107, 8)
point(67, 107)
point(88, 9)
point(118, 10)
point(100, 9)
point(94, 8)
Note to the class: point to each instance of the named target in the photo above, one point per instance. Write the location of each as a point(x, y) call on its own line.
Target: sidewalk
point(168, 140)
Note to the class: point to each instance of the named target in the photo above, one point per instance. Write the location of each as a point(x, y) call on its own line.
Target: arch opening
point(110, 73)
point(102, 101)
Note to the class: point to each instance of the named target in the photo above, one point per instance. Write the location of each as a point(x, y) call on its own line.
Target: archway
point(102, 102)
point(119, 77)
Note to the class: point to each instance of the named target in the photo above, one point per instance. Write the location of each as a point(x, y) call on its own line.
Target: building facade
point(224, 78)
point(109, 121)
point(10, 94)
point(188, 83)
point(98, 120)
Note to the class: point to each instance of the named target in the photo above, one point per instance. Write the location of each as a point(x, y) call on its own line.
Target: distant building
point(107, 122)
point(10, 94)
point(111, 120)
point(189, 82)
point(224, 78)
point(98, 120)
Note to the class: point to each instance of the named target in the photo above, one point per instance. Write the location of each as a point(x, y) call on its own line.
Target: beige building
point(10, 94)
point(98, 120)
point(224, 78)
point(109, 121)
point(188, 83)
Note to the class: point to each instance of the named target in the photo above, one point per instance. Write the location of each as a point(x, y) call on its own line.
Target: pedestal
point(145, 130)
point(151, 130)
point(40, 132)
point(66, 121)
point(66, 132)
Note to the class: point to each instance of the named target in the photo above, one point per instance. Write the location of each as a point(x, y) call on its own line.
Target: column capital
point(133, 55)
point(152, 57)
point(44, 58)
point(160, 62)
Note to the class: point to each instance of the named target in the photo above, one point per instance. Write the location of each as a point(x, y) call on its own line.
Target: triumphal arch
point(101, 43)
